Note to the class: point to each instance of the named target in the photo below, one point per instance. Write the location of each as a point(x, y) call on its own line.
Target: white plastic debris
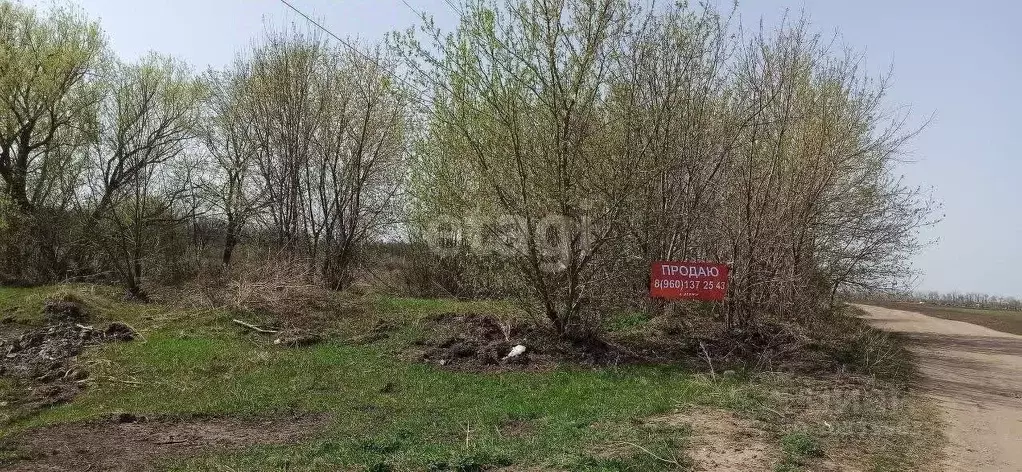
point(515, 352)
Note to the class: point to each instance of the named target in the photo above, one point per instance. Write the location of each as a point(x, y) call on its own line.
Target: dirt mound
point(825, 346)
point(126, 442)
point(65, 309)
point(43, 359)
point(481, 342)
point(119, 332)
point(470, 340)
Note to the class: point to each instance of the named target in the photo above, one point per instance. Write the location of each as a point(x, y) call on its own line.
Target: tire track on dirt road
point(975, 375)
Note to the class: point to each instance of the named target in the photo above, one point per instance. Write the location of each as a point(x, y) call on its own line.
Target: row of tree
point(647, 135)
point(124, 169)
point(952, 299)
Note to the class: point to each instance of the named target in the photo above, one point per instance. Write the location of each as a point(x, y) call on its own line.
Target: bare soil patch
point(42, 360)
point(1004, 321)
point(721, 441)
point(129, 443)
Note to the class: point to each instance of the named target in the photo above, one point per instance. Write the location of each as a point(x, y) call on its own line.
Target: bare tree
point(360, 150)
point(288, 106)
point(228, 135)
point(146, 120)
point(329, 126)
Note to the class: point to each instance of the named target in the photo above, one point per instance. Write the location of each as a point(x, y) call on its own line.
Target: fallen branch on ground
point(255, 328)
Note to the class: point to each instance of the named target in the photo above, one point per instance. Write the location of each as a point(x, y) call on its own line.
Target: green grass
point(627, 321)
point(386, 412)
point(798, 448)
point(104, 303)
point(16, 304)
point(198, 363)
point(430, 416)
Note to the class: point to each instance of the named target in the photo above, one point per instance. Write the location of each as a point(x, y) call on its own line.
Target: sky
point(956, 66)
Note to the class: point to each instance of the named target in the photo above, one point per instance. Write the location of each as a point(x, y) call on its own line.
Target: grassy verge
point(387, 413)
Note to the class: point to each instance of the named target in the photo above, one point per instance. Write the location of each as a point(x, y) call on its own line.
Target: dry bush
point(278, 285)
point(835, 342)
point(417, 270)
point(877, 352)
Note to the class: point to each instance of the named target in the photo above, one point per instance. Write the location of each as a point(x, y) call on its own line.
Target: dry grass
point(283, 287)
point(858, 424)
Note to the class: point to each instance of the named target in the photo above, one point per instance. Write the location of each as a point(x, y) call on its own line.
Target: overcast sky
point(960, 62)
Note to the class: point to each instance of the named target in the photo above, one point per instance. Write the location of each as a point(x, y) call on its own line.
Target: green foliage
point(44, 60)
point(49, 63)
point(660, 135)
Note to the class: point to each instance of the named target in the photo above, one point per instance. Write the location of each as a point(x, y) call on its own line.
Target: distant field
point(1000, 320)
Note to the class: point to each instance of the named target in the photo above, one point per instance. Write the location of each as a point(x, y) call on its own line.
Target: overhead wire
point(356, 50)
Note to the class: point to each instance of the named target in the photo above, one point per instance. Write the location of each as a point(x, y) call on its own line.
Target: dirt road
point(975, 374)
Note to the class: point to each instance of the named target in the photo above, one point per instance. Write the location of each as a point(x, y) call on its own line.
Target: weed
point(798, 447)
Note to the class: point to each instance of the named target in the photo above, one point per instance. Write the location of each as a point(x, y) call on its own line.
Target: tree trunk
point(833, 293)
point(230, 241)
point(557, 321)
point(337, 270)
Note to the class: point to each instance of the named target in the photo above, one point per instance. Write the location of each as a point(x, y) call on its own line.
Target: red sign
point(688, 280)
